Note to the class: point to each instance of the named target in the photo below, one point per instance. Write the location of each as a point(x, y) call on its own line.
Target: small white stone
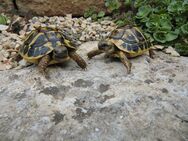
point(5, 53)
point(3, 27)
point(22, 32)
point(23, 63)
point(69, 16)
point(42, 20)
point(61, 18)
point(43, 25)
point(105, 22)
point(83, 25)
point(17, 46)
point(8, 66)
point(171, 50)
point(12, 54)
point(158, 47)
point(89, 19)
point(84, 110)
point(97, 129)
point(4, 40)
point(52, 26)
point(37, 24)
point(82, 38)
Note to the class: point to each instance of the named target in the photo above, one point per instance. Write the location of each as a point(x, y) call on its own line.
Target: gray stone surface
point(102, 103)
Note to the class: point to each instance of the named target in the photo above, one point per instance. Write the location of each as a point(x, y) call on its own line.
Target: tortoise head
point(60, 53)
point(105, 45)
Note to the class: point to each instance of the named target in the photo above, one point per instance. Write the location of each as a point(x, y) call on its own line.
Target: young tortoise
point(45, 46)
point(123, 43)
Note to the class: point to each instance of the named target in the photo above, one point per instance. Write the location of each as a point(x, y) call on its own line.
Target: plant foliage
point(91, 12)
point(3, 19)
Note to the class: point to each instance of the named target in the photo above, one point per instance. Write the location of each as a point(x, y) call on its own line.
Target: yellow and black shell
point(131, 40)
point(42, 42)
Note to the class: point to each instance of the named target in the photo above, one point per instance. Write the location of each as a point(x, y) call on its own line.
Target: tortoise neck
point(112, 49)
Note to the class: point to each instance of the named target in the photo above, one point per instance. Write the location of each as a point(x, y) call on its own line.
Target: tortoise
point(45, 46)
point(124, 43)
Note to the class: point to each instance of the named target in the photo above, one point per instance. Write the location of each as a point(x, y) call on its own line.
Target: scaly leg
point(151, 54)
point(125, 61)
point(43, 63)
point(17, 57)
point(94, 53)
point(79, 60)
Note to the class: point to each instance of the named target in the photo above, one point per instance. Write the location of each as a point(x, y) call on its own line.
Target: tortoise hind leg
point(151, 53)
point(17, 58)
point(93, 53)
point(43, 63)
point(125, 61)
point(79, 60)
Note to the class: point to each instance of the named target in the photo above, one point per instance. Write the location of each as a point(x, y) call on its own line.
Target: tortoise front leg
point(151, 53)
point(43, 63)
point(125, 61)
point(94, 53)
point(79, 60)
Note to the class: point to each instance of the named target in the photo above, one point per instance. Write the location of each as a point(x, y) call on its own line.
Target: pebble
point(97, 129)
point(12, 54)
point(23, 63)
point(160, 47)
point(22, 32)
point(3, 27)
point(5, 53)
point(172, 51)
point(121, 117)
point(69, 16)
point(105, 22)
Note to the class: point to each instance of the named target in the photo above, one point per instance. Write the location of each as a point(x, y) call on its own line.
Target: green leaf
point(128, 2)
point(184, 29)
point(165, 2)
point(159, 10)
point(159, 23)
point(172, 35)
point(112, 4)
point(180, 20)
point(160, 36)
point(120, 23)
point(144, 20)
point(94, 17)
point(143, 11)
point(139, 3)
point(163, 36)
point(153, 23)
point(101, 14)
point(165, 25)
point(3, 19)
point(185, 5)
point(89, 12)
point(176, 7)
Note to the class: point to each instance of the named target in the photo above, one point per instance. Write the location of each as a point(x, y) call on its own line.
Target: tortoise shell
point(130, 40)
point(41, 42)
